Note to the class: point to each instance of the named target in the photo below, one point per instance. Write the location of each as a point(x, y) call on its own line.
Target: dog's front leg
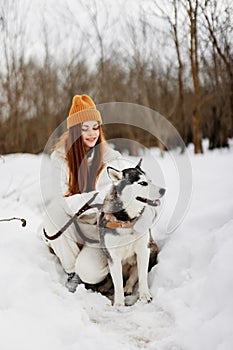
point(115, 267)
point(132, 279)
point(143, 256)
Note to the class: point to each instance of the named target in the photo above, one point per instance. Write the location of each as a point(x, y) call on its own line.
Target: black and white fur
point(131, 192)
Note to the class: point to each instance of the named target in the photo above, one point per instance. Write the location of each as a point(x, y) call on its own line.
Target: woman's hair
point(82, 177)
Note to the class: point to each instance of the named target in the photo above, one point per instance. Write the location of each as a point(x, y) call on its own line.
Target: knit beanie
point(82, 109)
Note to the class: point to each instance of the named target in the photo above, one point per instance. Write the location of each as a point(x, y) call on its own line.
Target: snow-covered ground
point(192, 285)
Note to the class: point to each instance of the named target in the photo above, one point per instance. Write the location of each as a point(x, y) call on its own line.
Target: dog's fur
point(130, 275)
point(131, 192)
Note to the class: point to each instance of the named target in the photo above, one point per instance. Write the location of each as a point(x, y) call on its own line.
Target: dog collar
point(112, 222)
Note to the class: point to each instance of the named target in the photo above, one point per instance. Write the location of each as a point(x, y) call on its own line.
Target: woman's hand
point(77, 201)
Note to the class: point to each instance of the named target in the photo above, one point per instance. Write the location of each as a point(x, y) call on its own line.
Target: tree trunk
point(196, 116)
point(180, 75)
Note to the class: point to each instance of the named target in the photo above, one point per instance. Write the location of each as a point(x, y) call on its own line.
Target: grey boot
point(72, 282)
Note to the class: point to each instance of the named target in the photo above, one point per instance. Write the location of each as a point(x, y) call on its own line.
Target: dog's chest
point(124, 244)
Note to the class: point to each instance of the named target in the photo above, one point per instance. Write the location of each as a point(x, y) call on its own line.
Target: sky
point(66, 24)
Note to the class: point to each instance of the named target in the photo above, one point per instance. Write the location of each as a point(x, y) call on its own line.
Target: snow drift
point(191, 285)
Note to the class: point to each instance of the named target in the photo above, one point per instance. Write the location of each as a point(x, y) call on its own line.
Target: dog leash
point(73, 220)
point(111, 223)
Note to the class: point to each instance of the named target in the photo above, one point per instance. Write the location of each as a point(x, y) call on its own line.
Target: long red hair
point(82, 177)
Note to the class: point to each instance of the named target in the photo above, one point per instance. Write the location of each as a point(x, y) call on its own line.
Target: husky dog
point(131, 192)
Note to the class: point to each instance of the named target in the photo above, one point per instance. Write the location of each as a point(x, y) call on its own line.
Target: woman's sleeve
point(59, 174)
point(70, 204)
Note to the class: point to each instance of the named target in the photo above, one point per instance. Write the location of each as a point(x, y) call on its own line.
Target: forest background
point(173, 56)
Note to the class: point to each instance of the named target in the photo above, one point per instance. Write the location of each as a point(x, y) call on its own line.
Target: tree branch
point(10, 219)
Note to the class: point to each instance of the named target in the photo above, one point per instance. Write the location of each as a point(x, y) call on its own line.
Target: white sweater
point(61, 176)
point(73, 203)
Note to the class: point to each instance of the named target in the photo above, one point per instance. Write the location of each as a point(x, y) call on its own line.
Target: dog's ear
point(114, 174)
point(138, 166)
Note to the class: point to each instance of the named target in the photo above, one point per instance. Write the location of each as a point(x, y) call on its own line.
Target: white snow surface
point(192, 284)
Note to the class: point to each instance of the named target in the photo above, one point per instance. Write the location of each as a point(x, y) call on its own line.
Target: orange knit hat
point(82, 110)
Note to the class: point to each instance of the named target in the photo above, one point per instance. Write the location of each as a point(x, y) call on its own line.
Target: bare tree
point(12, 47)
point(171, 14)
point(137, 33)
point(132, 67)
point(176, 39)
point(192, 9)
point(219, 25)
point(95, 33)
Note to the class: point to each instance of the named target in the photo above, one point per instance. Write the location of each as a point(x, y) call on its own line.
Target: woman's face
point(90, 133)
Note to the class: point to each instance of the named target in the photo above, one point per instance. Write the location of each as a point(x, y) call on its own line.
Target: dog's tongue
point(157, 202)
point(154, 203)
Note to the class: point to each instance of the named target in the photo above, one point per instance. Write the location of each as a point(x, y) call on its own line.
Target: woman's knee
point(91, 268)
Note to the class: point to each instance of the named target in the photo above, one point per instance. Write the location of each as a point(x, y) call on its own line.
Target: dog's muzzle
point(152, 202)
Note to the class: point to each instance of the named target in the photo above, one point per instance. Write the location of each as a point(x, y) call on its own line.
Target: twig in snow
point(24, 222)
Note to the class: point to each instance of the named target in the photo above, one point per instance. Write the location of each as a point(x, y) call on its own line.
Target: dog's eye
point(143, 183)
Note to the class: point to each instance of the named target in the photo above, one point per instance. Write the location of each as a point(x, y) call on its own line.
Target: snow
point(192, 284)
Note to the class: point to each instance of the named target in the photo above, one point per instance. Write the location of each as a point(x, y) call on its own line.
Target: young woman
point(79, 164)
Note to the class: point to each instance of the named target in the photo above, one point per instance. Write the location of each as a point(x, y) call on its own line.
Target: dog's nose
point(162, 191)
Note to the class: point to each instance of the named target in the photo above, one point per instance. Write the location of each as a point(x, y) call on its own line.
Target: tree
point(218, 21)
point(192, 10)
point(12, 48)
point(170, 14)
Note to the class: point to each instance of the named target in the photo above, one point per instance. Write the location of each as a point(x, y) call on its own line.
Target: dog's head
point(132, 185)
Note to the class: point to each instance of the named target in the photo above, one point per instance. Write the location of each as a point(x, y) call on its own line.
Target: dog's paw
point(116, 305)
point(128, 289)
point(119, 302)
point(145, 297)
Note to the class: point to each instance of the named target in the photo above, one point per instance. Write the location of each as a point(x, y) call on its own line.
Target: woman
point(79, 165)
